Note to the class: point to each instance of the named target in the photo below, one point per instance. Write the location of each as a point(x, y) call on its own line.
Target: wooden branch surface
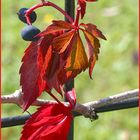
point(86, 109)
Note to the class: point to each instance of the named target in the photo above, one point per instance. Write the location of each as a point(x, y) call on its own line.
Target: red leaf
point(82, 4)
point(58, 25)
point(93, 45)
point(29, 75)
point(56, 58)
point(50, 122)
point(32, 70)
point(52, 71)
point(43, 69)
point(91, 28)
point(49, 66)
point(63, 24)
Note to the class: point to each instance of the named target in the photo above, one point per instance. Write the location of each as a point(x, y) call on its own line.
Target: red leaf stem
point(47, 4)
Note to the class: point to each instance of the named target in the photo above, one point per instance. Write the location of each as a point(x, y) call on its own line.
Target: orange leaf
point(61, 42)
point(78, 59)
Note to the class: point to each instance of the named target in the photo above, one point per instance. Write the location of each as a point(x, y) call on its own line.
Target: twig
point(115, 98)
point(86, 109)
point(19, 120)
point(17, 98)
point(125, 96)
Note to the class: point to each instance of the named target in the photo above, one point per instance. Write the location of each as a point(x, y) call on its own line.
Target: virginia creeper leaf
point(50, 122)
point(78, 59)
point(32, 70)
point(56, 26)
point(93, 45)
point(57, 57)
point(63, 24)
point(91, 28)
point(61, 42)
point(82, 4)
point(52, 71)
point(29, 76)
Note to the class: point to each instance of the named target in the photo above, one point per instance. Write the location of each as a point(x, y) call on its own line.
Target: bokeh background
point(116, 70)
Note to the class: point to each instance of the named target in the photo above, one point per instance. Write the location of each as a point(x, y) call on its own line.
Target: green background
point(116, 70)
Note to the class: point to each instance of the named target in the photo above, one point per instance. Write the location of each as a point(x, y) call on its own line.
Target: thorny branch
point(86, 109)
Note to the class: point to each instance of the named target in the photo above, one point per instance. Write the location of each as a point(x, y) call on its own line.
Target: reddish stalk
point(47, 4)
point(54, 98)
point(77, 16)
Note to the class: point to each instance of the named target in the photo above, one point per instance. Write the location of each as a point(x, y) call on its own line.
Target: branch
point(17, 98)
point(19, 120)
point(115, 98)
point(87, 109)
point(109, 103)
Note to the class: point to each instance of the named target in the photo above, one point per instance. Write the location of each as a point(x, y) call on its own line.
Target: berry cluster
point(29, 32)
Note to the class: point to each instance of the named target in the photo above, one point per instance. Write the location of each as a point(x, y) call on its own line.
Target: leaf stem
point(77, 16)
point(71, 20)
point(54, 98)
point(47, 4)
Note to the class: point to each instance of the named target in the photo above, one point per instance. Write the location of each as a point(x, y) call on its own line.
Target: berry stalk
point(47, 4)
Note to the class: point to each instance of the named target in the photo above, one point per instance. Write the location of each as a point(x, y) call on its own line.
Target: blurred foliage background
point(116, 70)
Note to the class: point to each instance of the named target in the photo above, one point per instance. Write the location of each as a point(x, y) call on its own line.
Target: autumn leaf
point(82, 4)
point(93, 46)
point(78, 58)
point(33, 70)
point(57, 25)
point(61, 42)
point(30, 75)
point(42, 70)
point(51, 122)
point(70, 46)
point(91, 28)
point(92, 33)
point(57, 57)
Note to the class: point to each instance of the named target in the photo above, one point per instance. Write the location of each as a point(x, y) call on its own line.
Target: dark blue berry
point(21, 15)
point(29, 32)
